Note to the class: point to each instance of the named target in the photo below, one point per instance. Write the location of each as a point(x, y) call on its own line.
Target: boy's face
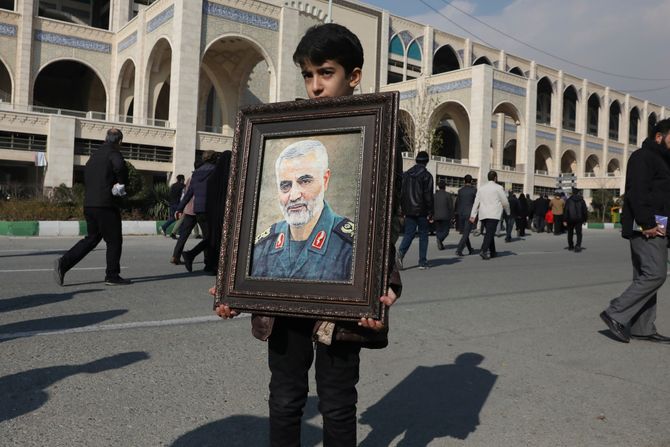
point(329, 79)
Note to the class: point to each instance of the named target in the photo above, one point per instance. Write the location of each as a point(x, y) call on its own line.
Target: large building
point(172, 74)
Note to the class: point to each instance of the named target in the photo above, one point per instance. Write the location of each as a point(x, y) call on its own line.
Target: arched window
point(592, 115)
point(569, 108)
point(651, 123)
point(414, 51)
point(544, 92)
point(483, 60)
point(517, 71)
point(615, 111)
point(445, 59)
point(396, 47)
point(634, 120)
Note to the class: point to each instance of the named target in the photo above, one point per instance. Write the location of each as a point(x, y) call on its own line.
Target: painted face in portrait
point(302, 180)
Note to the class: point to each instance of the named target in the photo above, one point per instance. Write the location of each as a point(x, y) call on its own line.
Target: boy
point(331, 60)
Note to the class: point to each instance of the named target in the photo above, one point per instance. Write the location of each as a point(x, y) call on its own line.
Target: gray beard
point(305, 215)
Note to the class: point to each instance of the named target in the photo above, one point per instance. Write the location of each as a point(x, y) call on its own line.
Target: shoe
point(424, 266)
point(616, 328)
point(578, 249)
point(173, 236)
point(459, 253)
point(493, 254)
point(440, 245)
point(469, 251)
point(117, 281)
point(174, 260)
point(59, 273)
point(571, 248)
point(188, 260)
point(162, 231)
point(485, 256)
point(507, 239)
point(656, 338)
point(398, 260)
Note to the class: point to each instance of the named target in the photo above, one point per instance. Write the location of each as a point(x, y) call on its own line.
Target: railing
point(589, 174)
point(541, 172)
point(90, 114)
point(613, 174)
point(130, 151)
point(23, 142)
point(213, 129)
point(455, 161)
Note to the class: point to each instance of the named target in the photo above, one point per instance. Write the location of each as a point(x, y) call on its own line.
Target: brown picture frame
point(371, 116)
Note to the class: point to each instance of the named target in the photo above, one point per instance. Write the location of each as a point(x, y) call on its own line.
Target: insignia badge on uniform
point(280, 241)
point(319, 240)
point(263, 235)
point(345, 229)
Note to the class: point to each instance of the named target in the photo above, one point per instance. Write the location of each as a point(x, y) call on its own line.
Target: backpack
point(574, 211)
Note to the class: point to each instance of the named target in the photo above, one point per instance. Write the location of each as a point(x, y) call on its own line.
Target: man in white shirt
point(489, 204)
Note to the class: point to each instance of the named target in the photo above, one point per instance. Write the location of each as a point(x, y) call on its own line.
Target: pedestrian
point(574, 217)
point(443, 213)
point(416, 201)
point(522, 217)
point(540, 208)
point(197, 190)
point(330, 58)
point(489, 205)
point(531, 212)
point(557, 205)
point(464, 201)
point(549, 219)
point(644, 223)
point(187, 223)
point(173, 201)
point(511, 216)
point(105, 176)
point(216, 206)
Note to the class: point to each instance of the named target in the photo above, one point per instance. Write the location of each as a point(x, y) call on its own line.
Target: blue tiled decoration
point(237, 15)
point(406, 37)
point(510, 127)
point(545, 135)
point(161, 18)
point(450, 86)
point(7, 30)
point(494, 124)
point(615, 150)
point(592, 145)
point(571, 141)
point(128, 41)
point(73, 42)
point(509, 88)
point(408, 95)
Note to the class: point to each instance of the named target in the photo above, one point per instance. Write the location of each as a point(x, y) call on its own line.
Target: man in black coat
point(105, 170)
point(416, 201)
point(443, 213)
point(540, 208)
point(173, 200)
point(574, 217)
point(464, 201)
point(646, 206)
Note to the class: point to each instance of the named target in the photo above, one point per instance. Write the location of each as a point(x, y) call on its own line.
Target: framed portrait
point(307, 226)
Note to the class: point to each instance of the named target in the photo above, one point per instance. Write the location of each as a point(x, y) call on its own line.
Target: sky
point(619, 37)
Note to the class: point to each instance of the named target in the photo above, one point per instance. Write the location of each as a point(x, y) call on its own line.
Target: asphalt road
point(507, 352)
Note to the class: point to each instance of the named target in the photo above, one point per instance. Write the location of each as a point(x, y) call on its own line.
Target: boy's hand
point(222, 310)
point(377, 325)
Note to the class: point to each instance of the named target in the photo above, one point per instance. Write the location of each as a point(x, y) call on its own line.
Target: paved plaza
point(507, 352)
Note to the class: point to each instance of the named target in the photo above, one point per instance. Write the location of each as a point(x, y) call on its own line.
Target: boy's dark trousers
point(465, 238)
point(576, 228)
point(290, 355)
point(489, 243)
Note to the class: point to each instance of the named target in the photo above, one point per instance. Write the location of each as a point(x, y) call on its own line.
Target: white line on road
point(116, 327)
point(51, 269)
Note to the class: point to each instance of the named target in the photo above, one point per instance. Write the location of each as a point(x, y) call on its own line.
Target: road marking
point(51, 269)
point(117, 326)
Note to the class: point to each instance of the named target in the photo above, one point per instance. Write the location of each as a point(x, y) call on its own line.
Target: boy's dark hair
point(467, 179)
point(441, 184)
point(662, 127)
point(330, 41)
point(492, 176)
point(180, 178)
point(422, 158)
point(114, 136)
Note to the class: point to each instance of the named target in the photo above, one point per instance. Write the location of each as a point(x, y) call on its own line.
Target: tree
point(416, 131)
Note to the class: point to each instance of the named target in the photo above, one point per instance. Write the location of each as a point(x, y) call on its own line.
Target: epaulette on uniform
point(264, 235)
point(346, 230)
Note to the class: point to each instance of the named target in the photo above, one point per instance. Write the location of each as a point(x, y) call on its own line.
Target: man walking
point(540, 208)
point(464, 201)
point(490, 202)
point(417, 205)
point(646, 205)
point(574, 217)
point(105, 171)
point(443, 213)
point(557, 205)
point(512, 216)
point(173, 200)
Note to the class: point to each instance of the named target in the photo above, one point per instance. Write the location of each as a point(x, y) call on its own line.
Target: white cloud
point(617, 36)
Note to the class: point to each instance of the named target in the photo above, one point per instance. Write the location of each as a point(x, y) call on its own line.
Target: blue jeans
point(411, 224)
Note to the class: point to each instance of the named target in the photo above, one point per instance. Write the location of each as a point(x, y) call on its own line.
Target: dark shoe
point(459, 253)
point(117, 281)
point(59, 273)
point(507, 239)
point(188, 260)
point(440, 245)
point(578, 249)
point(571, 248)
point(616, 328)
point(493, 254)
point(656, 338)
point(174, 260)
point(469, 251)
point(485, 256)
point(173, 236)
point(398, 260)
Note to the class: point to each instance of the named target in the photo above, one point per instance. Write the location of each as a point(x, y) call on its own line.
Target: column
point(528, 131)
point(60, 151)
point(559, 124)
point(289, 36)
point(24, 49)
point(119, 14)
point(428, 44)
point(481, 95)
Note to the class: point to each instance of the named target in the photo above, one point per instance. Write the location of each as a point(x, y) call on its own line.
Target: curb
point(74, 228)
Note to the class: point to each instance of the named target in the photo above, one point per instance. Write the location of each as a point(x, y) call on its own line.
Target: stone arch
point(482, 60)
point(406, 131)
point(593, 115)
point(592, 165)
point(510, 117)
point(651, 123)
point(126, 88)
point(614, 167)
point(543, 160)
point(6, 82)
point(545, 92)
point(568, 162)
point(446, 59)
point(517, 71)
point(570, 108)
point(70, 84)
point(615, 114)
point(235, 71)
point(633, 125)
point(157, 79)
point(451, 121)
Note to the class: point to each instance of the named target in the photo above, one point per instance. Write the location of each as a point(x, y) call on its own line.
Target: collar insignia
point(319, 240)
point(280, 241)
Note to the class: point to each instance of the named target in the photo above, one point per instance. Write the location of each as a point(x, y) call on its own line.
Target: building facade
point(171, 74)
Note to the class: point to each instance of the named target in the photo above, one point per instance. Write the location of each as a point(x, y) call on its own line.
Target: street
point(506, 352)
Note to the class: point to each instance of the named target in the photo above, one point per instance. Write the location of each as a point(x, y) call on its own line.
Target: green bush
point(39, 209)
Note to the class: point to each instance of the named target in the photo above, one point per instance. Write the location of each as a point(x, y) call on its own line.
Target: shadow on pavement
point(35, 253)
point(39, 299)
point(26, 391)
point(247, 430)
point(431, 403)
point(31, 327)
